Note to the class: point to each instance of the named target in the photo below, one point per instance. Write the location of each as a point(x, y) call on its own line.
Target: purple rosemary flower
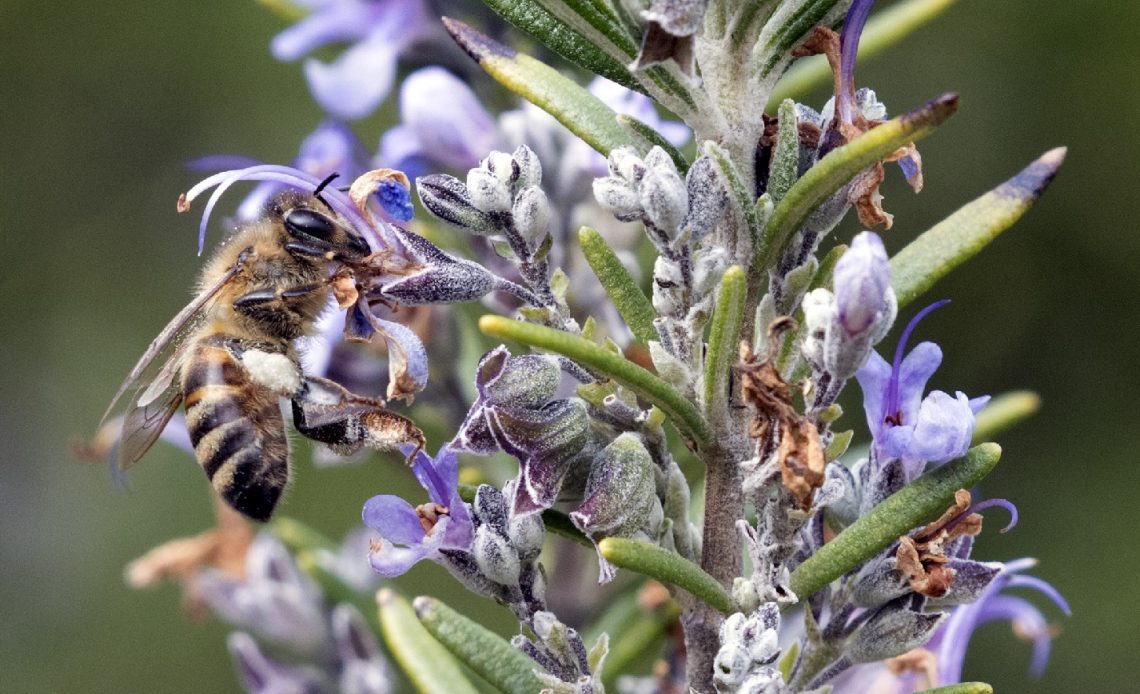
point(442, 123)
point(331, 148)
point(354, 84)
point(996, 605)
point(906, 426)
point(848, 51)
point(411, 533)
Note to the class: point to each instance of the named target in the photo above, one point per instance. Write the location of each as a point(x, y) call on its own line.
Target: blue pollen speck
point(396, 200)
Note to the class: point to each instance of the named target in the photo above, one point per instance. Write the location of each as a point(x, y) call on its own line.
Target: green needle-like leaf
point(960, 236)
point(786, 29)
point(668, 567)
point(579, 110)
point(919, 502)
point(724, 336)
point(654, 389)
point(961, 688)
point(786, 155)
point(429, 666)
point(565, 40)
point(740, 197)
point(1004, 412)
point(653, 138)
point(628, 298)
point(840, 166)
point(488, 654)
point(883, 30)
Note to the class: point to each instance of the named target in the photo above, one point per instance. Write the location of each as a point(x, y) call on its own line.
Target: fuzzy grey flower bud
point(363, 668)
point(489, 192)
point(618, 197)
point(624, 163)
point(664, 198)
point(894, 631)
point(531, 213)
point(667, 279)
point(447, 198)
point(490, 508)
point(529, 167)
point(749, 646)
point(620, 491)
point(708, 198)
point(527, 534)
point(496, 558)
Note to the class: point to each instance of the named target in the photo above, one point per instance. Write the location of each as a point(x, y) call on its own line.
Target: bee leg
point(262, 299)
point(327, 413)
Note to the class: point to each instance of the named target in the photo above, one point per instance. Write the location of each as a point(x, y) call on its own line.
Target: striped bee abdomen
point(236, 428)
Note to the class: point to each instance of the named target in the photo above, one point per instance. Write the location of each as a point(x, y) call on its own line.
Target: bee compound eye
point(303, 222)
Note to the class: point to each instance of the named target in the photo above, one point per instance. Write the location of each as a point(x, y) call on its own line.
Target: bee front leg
point(326, 412)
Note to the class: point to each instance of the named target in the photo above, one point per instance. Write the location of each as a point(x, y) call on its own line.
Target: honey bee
point(230, 357)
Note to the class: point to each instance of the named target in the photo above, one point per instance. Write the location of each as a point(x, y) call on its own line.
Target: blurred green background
point(101, 103)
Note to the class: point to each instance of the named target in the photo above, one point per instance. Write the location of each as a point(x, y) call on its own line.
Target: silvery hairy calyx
point(642, 274)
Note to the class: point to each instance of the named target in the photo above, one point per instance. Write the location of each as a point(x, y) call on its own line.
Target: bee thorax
point(277, 372)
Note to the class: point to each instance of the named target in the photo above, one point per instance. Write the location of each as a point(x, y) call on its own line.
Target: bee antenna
point(317, 193)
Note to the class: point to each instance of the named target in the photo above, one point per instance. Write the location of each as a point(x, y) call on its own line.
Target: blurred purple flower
point(261, 675)
point(903, 424)
point(442, 123)
point(276, 600)
point(353, 85)
point(1028, 623)
point(412, 533)
point(331, 148)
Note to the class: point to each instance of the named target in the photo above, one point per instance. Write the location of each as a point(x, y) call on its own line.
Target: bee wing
point(157, 392)
point(143, 424)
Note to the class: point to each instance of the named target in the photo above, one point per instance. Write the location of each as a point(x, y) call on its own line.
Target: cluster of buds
point(502, 199)
point(749, 649)
point(677, 213)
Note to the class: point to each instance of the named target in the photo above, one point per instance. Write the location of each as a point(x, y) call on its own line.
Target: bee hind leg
point(327, 413)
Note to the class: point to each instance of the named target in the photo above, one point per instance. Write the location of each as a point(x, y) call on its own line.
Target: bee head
point(314, 233)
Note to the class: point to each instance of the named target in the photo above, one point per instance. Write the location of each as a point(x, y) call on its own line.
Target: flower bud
point(708, 198)
point(625, 163)
point(664, 197)
point(620, 491)
point(529, 167)
point(618, 197)
point(496, 558)
point(862, 280)
point(489, 192)
point(893, 631)
point(531, 213)
point(363, 668)
point(447, 198)
point(527, 534)
point(490, 508)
